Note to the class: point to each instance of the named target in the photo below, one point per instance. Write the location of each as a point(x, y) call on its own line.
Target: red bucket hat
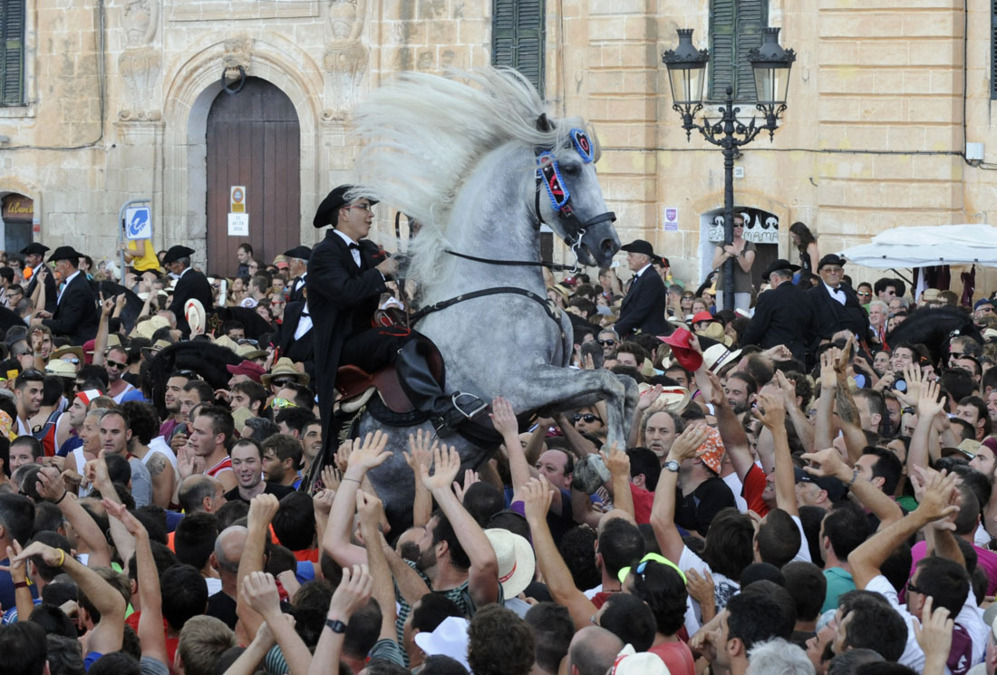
point(681, 343)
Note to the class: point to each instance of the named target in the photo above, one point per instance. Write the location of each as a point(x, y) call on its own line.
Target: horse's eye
point(571, 169)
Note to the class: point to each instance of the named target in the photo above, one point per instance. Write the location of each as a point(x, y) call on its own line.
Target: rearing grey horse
point(479, 164)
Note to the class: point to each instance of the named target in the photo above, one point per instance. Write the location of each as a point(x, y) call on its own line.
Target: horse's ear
point(594, 139)
point(544, 124)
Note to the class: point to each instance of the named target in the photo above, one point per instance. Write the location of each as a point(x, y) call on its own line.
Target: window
point(11, 52)
point(735, 29)
point(518, 38)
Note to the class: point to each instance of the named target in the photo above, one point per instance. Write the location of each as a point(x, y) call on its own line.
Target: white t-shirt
point(723, 588)
point(736, 486)
point(159, 444)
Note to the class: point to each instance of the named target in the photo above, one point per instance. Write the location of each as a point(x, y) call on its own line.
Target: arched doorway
point(17, 214)
point(253, 141)
point(762, 228)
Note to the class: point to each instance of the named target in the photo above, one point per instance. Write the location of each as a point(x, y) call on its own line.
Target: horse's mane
point(424, 134)
point(932, 328)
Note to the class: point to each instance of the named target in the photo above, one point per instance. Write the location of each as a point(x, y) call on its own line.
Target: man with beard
point(171, 401)
point(116, 363)
point(29, 388)
point(702, 493)
point(741, 390)
point(281, 460)
point(247, 463)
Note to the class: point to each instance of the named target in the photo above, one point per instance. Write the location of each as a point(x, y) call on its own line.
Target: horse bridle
point(549, 175)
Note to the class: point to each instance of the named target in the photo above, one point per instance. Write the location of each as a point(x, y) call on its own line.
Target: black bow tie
point(356, 246)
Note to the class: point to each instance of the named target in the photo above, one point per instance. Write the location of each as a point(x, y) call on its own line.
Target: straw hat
point(285, 366)
point(61, 368)
point(516, 561)
point(193, 310)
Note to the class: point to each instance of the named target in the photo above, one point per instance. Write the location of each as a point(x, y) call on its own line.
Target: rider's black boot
point(446, 411)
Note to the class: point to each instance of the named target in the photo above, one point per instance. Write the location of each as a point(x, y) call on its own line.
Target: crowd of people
point(806, 487)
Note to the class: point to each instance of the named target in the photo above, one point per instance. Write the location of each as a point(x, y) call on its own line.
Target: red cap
point(703, 316)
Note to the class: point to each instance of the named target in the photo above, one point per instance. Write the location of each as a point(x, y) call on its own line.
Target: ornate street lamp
point(771, 66)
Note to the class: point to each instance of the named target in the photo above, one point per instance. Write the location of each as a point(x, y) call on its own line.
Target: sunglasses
point(606, 343)
point(281, 403)
point(588, 417)
point(116, 364)
point(282, 382)
point(911, 588)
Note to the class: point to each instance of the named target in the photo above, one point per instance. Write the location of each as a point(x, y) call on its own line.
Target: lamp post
point(771, 65)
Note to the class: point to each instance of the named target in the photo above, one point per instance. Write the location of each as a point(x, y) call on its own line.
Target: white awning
point(927, 246)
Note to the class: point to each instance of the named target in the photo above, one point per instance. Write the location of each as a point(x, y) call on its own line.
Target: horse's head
point(569, 198)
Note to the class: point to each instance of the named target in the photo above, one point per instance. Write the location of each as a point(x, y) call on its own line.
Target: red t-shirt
point(677, 656)
point(643, 501)
point(754, 486)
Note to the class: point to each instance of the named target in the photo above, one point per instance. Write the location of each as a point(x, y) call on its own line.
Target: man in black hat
point(833, 305)
point(191, 284)
point(297, 261)
point(346, 275)
point(781, 313)
point(644, 304)
point(34, 254)
point(76, 314)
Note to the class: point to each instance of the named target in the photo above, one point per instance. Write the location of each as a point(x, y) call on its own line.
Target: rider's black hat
point(329, 208)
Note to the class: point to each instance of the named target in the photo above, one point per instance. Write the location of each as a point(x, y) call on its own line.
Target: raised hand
point(262, 509)
point(649, 396)
point(422, 445)
point(940, 498)
point(934, 634)
point(828, 377)
point(928, 405)
point(49, 484)
point(120, 511)
point(616, 460)
point(771, 410)
point(343, 455)
point(369, 508)
point(787, 388)
point(503, 417)
point(701, 588)
point(689, 441)
point(446, 466)
point(259, 590)
point(371, 452)
point(827, 462)
point(53, 557)
point(331, 477)
point(323, 501)
point(536, 495)
point(470, 478)
point(352, 593)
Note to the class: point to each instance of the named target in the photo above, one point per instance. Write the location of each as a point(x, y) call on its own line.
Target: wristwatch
point(671, 465)
point(336, 625)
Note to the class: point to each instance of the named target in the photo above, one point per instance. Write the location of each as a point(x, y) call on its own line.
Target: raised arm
point(259, 591)
point(730, 428)
point(371, 514)
point(929, 408)
point(352, 593)
point(536, 501)
point(771, 411)
point(336, 541)
point(828, 462)
point(848, 413)
point(107, 635)
point(420, 452)
point(482, 579)
point(618, 464)
point(262, 509)
point(504, 420)
point(51, 487)
point(938, 501)
point(824, 418)
point(804, 430)
point(663, 510)
point(150, 622)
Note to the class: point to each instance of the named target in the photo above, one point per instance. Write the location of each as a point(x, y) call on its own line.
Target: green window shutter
point(518, 37)
point(736, 28)
point(722, 27)
point(11, 52)
point(752, 17)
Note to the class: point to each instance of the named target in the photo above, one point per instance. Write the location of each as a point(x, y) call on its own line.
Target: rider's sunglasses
point(588, 417)
point(606, 343)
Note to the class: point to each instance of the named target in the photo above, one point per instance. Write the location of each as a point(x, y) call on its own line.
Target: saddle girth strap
point(443, 304)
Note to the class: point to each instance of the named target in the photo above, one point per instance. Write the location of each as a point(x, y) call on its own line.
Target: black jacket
point(76, 314)
point(644, 306)
point(302, 350)
point(782, 317)
point(828, 316)
point(342, 299)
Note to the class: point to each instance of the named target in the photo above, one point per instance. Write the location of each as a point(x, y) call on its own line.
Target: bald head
point(592, 651)
point(228, 548)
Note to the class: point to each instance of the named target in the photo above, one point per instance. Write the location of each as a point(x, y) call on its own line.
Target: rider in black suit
point(780, 313)
point(346, 275)
point(76, 313)
point(297, 259)
point(33, 254)
point(834, 305)
point(191, 284)
point(644, 304)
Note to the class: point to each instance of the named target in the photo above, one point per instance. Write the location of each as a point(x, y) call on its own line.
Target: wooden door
point(254, 141)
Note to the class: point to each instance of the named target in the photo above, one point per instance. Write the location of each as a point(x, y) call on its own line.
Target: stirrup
point(481, 406)
point(357, 402)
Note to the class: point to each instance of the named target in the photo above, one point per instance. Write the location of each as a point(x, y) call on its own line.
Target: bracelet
point(20, 584)
point(855, 475)
point(353, 479)
point(59, 500)
point(62, 558)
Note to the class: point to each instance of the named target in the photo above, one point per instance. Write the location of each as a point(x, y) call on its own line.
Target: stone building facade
point(119, 95)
